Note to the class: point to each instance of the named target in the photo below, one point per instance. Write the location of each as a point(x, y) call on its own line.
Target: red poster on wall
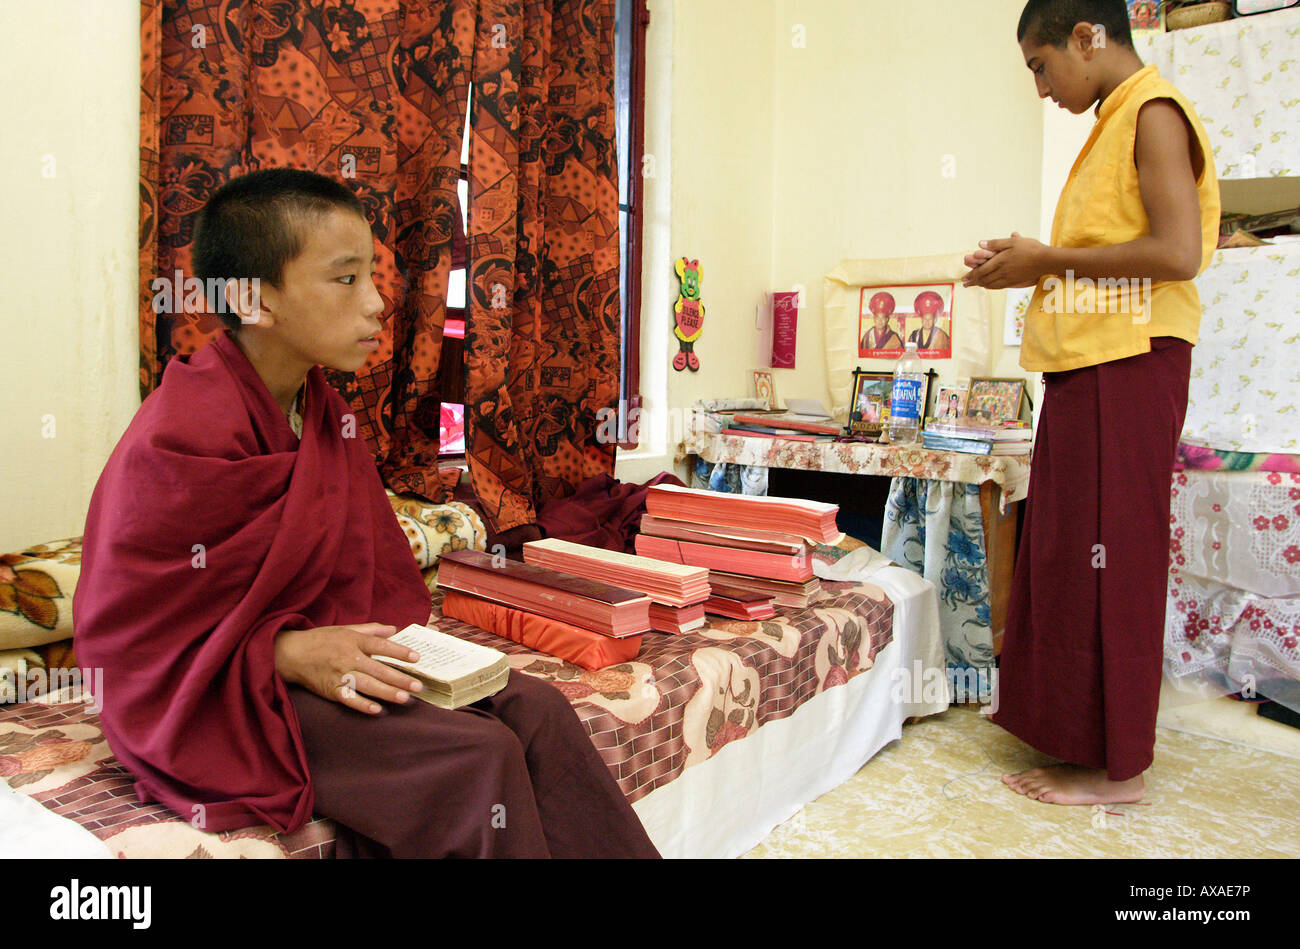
point(785, 320)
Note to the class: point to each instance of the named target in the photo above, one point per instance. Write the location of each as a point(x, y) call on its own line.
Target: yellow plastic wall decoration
point(688, 312)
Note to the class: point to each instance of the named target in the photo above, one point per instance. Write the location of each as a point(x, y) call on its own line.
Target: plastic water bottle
point(905, 408)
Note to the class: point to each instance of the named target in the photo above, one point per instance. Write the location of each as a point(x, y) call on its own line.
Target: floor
point(1223, 780)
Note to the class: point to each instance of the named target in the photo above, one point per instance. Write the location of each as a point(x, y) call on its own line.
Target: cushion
point(435, 528)
point(582, 647)
point(36, 584)
point(36, 588)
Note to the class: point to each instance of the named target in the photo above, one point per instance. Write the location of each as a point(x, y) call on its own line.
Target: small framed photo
point(950, 404)
point(994, 401)
point(870, 407)
point(765, 388)
point(1013, 331)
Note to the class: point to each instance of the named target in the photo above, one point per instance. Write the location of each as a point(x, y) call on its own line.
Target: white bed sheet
point(30, 832)
point(726, 805)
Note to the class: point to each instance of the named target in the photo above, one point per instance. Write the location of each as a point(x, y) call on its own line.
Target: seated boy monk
point(238, 578)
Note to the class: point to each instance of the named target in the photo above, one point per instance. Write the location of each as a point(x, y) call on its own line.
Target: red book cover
point(676, 619)
point(582, 647)
point(748, 434)
point(735, 609)
point(782, 592)
point(670, 583)
point(779, 421)
point(809, 519)
point(722, 536)
point(606, 609)
point(750, 562)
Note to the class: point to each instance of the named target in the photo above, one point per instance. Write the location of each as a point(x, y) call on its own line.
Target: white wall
point(69, 102)
point(805, 132)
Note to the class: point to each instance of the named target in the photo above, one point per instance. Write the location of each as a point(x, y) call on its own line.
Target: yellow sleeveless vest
point(1071, 324)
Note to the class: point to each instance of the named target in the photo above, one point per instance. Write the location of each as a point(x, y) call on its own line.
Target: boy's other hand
point(334, 662)
point(1014, 261)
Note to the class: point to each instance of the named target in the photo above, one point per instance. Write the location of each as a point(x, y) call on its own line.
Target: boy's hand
point(1011, 262)
point(334, 662)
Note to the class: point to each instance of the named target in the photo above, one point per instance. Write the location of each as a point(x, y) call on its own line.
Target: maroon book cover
point(543, 576)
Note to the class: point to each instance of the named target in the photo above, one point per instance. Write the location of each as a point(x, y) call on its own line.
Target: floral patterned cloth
point(1246, 365)
point(1233, 615)
point(434, 529)
point(542, 337)
point(1211, 459)
point(36, 584)
point(677, 704)
point(936, 529)
point(1010, 472)
point(36, 587)
point(1260, 54)
point(729, 479)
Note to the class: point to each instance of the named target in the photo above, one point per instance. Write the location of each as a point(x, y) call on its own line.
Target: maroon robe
point(1082, 654)
point(212, 529)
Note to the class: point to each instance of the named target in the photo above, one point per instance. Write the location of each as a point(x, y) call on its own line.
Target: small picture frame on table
point(869, 410)
point(950, 404)
point(994, 401)
point(765, 388)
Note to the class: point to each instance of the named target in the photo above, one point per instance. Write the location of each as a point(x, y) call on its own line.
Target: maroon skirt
point(514, 775)
point(1081, 658)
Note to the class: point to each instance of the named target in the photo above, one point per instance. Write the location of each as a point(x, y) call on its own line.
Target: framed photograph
point(995, 401)
point(765, 388)
point(950, 404)
point(848, 317)
point(891, 316)
point(870, 408)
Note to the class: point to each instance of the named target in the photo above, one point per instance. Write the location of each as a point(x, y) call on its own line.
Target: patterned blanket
point(680, 701)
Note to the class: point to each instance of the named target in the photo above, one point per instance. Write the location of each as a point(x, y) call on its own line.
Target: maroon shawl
point(294, 535)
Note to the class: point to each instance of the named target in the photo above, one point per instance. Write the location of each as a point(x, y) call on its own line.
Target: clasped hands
point(1013, 261)
point(335, 662)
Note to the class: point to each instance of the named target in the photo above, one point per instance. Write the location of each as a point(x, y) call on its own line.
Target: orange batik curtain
point(542, 336)
point(375, 94)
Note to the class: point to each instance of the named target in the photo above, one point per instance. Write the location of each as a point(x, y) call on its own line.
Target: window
point(631, 19)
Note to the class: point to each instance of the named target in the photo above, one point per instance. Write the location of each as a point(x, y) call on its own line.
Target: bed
point(716, 736)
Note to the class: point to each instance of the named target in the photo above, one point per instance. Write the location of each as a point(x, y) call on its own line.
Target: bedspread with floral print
point(680, 701)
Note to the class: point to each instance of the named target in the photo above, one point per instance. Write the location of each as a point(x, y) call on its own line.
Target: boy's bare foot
point(1073, 784)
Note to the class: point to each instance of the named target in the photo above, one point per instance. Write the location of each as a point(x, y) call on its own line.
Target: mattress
point(714, 736)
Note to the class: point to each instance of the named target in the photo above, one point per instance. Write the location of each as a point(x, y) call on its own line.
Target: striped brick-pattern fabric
point(57, 738)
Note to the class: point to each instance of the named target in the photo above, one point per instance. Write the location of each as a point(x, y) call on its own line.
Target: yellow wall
point(69, 104)
point(804, 132)
point(778, 152)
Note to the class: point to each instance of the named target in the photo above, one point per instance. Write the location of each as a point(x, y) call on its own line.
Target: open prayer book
point(455, 673)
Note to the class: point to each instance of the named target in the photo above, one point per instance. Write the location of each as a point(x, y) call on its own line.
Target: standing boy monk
point(242, 567)
point(1111, 325)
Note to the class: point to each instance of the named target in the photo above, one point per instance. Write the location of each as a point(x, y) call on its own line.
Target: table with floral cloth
point(949, 516)
point(1233, 616)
